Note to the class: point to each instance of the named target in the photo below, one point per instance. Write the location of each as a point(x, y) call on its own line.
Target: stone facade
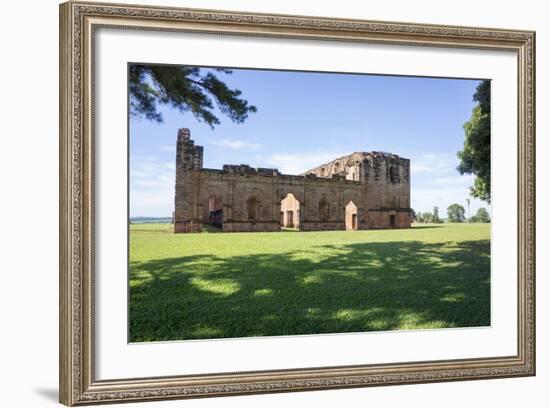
point(358, 191)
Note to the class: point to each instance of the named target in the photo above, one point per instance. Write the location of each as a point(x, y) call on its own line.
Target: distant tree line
point(455, 214)
point(427, 217)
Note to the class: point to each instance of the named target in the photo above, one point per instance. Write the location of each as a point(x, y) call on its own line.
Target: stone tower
point(188, 166)
point(188, 156)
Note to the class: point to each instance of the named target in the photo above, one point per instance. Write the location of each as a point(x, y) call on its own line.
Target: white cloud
point(465, 180)
point(433, 163)
point(424, 199)
point(437, 183)
point(236, 144)
point(151, 186)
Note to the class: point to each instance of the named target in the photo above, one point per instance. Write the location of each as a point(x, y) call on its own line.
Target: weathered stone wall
point(350, 195)
point(252, 202)
point(386, 177)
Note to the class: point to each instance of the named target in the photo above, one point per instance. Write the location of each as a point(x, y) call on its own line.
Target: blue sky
point(305, 119)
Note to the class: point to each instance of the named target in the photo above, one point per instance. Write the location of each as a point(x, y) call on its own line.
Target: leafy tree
point(187, 89)
point(475, 158)
point(482, 215)
point(435, 217)
point(414, 216)
point(428, 217)
point(455, 213)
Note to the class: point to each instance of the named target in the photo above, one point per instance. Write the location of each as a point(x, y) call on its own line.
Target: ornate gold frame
point(78, 22)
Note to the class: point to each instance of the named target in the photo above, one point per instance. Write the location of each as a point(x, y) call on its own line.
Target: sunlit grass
point(211, 285)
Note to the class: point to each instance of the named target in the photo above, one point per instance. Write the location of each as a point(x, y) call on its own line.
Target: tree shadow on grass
point(328, 289)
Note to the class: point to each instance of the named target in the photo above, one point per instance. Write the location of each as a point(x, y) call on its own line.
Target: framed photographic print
point(258, 203)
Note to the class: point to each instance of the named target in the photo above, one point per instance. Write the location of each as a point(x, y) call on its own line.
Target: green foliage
point(428, 217)
point(435, 217)
point(187, 89)
point(216, 285)
point(482, 215)
point(424, 217)
point(475, 158)
point(455, 213)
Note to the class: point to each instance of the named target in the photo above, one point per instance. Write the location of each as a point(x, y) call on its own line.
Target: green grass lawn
point(214, 285)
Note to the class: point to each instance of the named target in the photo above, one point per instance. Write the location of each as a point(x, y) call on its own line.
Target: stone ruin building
point(363, 190)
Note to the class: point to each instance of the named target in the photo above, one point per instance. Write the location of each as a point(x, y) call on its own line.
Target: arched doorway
point(215, 211)
point(290, 212)
point(351, 216)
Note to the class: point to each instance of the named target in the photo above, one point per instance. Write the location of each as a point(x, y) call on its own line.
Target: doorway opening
point(351, 216)
point(215, 211)
point(290, 213)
